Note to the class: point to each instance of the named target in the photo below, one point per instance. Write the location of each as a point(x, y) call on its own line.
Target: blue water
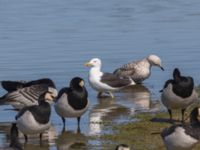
point(54, 39)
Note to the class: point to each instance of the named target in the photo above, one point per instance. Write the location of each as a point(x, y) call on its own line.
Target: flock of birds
point(33, 101)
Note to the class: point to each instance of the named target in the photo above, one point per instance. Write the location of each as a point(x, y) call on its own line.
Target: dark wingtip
point(11, 85)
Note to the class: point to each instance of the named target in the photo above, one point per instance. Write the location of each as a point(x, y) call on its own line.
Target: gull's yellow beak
point(88, 64)
point(81, 83)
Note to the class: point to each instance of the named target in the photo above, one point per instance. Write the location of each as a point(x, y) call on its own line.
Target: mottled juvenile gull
point(139, 70)
point(178, 93)
point(105, 82)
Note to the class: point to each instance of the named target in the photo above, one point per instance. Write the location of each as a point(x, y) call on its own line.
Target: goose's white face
point(49, 97)
point(53, 91)
point(82, 83)
point(95, 62)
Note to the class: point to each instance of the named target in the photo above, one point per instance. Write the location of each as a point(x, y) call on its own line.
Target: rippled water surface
point(53, 39)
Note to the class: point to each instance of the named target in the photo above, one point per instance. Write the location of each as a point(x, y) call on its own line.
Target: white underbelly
point(63, 108)
point(179, 140)
point(28, 125)
point(172, 101)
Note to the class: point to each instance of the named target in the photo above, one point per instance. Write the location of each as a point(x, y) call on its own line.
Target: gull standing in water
point(139, 70)
point(105, 82)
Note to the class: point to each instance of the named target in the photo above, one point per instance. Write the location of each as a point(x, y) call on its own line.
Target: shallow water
point(54, 38)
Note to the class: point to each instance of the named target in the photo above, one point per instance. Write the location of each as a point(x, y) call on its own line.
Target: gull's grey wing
point(115, 81)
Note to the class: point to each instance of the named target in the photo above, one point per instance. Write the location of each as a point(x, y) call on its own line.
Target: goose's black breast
point(184, 88)
point(78, 99)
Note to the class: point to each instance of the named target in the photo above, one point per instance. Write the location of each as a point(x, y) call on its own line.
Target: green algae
point(141, 135)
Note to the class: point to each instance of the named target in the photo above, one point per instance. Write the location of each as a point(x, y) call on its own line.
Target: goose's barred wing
point(27, 95)
point(15, 85)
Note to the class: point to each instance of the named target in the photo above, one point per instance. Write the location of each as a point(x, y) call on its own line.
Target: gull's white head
point(95, 62)
point(155, 61)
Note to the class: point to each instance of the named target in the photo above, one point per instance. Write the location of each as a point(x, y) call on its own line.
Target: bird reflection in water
point(106, 110)
point(140, 96)
point(34, 143)
point(70, 140)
